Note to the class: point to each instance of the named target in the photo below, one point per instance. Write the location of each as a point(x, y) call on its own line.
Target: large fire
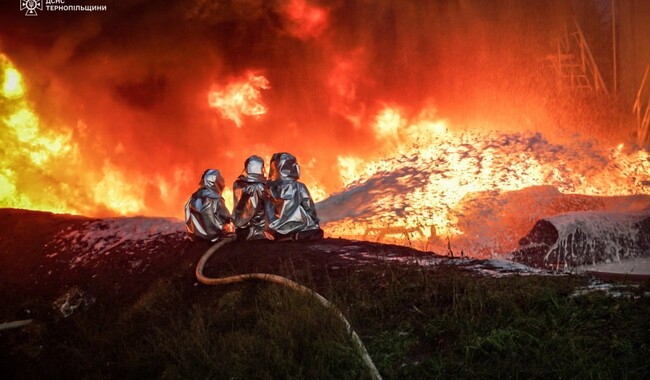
point(426, 189)
point(25, 145)
point(42, 167)
point(412, 118)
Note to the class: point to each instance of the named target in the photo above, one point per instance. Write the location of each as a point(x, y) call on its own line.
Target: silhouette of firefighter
point(290, 212)
point(206, 214)
point(250, 197)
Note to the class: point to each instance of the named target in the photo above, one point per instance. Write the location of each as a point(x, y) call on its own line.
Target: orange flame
point(388, 123)
point(28, 147)
point(12, 86)
point(43, 169)
point(240, 98)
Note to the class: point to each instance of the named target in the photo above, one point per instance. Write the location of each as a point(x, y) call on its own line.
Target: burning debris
point(483, 191)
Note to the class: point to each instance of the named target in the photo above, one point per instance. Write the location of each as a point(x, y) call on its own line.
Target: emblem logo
point(31, 6)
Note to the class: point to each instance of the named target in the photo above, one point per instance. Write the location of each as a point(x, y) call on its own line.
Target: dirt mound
point(67, 260)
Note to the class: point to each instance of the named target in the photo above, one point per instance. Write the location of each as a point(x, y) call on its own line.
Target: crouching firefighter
point(206, 215)
point(291, 213)
point(250, 196)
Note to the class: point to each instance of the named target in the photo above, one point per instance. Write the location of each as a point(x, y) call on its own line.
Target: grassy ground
point(416, 323)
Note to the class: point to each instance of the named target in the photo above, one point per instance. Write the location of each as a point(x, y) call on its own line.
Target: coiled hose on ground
point(361, 349)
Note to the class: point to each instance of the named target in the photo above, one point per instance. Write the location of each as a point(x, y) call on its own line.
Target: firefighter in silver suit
point(250, 196)
point(206, 215)
point(290, 212)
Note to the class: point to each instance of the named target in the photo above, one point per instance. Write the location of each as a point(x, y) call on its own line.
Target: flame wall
point(119, 112)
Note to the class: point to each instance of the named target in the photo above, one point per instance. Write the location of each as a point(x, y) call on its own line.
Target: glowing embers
point(240, 98)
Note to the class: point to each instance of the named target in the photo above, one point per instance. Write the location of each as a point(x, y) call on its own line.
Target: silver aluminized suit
point(250, 196)
point(290, 212)
point(206, 214)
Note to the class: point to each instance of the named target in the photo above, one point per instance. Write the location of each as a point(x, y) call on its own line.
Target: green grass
point(416, 323)
point(453, 325)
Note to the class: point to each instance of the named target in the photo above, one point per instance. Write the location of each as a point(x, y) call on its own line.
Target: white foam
point(101, 237)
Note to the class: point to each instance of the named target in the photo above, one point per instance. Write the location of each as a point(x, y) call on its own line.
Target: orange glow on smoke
point(342, 82)
point(307, 20)
point(240, 98)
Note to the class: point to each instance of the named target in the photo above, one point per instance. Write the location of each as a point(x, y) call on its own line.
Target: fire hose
point(358, 344)
point(14, 324)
